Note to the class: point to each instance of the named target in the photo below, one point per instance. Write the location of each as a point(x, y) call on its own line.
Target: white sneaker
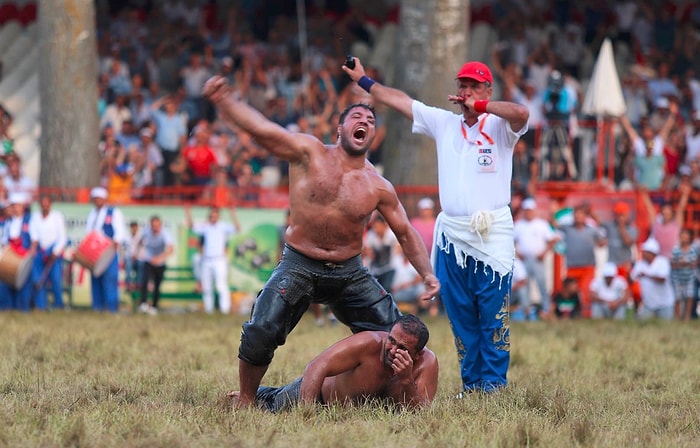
point(152, 311)
point(144, 308)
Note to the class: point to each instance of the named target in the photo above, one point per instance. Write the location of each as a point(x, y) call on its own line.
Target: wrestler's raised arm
point(271, 136)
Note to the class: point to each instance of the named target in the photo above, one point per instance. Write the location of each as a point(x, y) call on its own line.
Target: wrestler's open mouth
point(360, 134)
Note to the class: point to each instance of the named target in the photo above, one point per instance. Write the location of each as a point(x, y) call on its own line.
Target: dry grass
point(83, 379)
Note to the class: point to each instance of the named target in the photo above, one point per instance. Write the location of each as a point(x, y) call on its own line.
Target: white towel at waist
point(487, 236)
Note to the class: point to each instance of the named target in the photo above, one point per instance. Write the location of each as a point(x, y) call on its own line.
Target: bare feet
point(235, 398)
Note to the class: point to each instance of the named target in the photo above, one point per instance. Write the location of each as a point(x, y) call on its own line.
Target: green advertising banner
point(253, 252)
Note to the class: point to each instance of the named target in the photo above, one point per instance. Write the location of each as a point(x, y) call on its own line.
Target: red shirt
point(200, 159)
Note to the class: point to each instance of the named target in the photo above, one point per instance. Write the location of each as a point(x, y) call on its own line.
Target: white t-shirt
point(640, 148)
point(51, 230)
point(475, 164)
point(654, 295)
point(215, 237)
point(612, 292)
point(531, 237)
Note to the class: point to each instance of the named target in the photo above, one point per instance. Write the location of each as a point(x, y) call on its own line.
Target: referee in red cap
point(473, 251)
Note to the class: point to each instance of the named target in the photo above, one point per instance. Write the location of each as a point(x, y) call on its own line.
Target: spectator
point(379, 249)
point(609, 294)
point(621, 235)
point(194, 75)
point(424, 222)
point(530, 98)
point(519, 286)
point(16, 181)
point(581, 239)
point(157, 246)
point(635, 93)
point(407, 285)
point(662, 86)
point(133, 260)
point(534, 238)
point(556, 155)
point(119, 172)
point(115, 114)
point(684, 261)
point(128, 136)
point(567, 304)
point(200, 158)
point(153, 158)
point(692, 138)
point(648, 150)
point(653, 271)
point(171, 133)
point(214, 268)
point(524, 169)
point(666, 225)
point(570, 50)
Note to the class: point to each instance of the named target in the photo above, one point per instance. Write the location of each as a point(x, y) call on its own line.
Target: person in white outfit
point(534, 238)
point(609, 294)
point(50, 227)
point(653, 271)
point(214, 265)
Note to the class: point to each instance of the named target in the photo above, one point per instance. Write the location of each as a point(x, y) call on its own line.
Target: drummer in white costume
point(109, 221)
point(18, 235)
point(474, 249)
point(214, 263)
point(50, 227)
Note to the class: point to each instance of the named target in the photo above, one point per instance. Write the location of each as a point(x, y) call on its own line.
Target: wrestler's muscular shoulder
point(332, 198)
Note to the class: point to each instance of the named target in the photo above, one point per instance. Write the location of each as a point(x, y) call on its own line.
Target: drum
point(95, 253)
point(14, 268)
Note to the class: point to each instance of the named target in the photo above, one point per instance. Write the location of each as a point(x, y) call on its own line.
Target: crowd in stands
point(157, 130)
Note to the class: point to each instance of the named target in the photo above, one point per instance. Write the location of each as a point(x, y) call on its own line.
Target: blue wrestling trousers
point(476, 300)
point(105, 289)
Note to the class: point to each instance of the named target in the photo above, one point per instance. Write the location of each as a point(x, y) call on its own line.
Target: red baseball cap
point(477, 71)
point(621, 208)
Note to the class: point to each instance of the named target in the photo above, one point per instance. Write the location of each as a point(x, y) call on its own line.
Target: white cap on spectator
point(98, 192)
point(609, 269)
point(529, 204)
point(685, 170)
point(662, 103)
point(18, 198)
point(651, 245)
point(426, 203)
point(146, 132)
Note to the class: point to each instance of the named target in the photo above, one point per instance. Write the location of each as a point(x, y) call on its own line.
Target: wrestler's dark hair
point(410, 324)
point(347, 110)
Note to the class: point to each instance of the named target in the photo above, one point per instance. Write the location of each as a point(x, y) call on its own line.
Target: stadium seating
point(19, 85)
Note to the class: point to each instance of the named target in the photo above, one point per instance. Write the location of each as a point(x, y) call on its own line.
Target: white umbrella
point(604, 94)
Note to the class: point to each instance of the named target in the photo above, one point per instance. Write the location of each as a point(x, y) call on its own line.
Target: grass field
point(82, 379)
